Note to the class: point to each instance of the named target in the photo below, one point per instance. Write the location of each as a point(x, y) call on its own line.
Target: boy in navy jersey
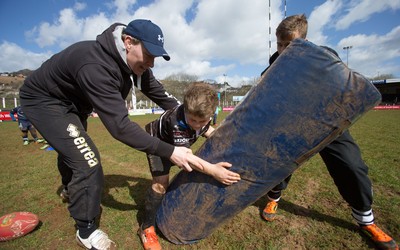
point(24, 125)
point(180, 126)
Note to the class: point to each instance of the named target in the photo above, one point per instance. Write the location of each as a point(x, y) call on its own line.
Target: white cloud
point(219, 31)
point(79, 6)
point(93, 26)
point(68, 28)
point(14, 58)
point(220, 37)
point(373, 53)
point(319, 18)
point(122, 7)
point(361, 10)
point(63, 32)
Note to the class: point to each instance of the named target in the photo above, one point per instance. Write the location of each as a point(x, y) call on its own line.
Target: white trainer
point(97, 240)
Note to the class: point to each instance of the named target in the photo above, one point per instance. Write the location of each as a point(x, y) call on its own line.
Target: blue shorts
point(158, 165)
point(25, 125)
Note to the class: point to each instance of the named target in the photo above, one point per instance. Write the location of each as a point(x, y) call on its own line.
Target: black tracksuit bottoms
point(79, 163)
point(349, 172)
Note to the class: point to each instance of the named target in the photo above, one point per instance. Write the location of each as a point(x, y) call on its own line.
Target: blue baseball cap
point(150, 35)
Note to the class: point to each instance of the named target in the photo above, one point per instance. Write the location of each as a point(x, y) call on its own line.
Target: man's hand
point(181, 156)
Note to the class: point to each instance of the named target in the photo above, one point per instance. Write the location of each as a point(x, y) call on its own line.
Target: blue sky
point(206, 38)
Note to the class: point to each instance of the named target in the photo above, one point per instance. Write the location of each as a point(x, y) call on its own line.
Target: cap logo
point(160, 38)
point(150, 35)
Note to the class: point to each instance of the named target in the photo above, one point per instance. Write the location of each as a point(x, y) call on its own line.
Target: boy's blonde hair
point(291, 25)
point(200, 100)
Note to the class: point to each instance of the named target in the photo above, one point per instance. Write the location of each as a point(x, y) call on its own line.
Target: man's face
point(138, 58)
point(282, 42)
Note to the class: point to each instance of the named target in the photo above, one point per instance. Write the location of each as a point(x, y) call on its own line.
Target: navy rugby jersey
point(171, 127)
point(20, 114)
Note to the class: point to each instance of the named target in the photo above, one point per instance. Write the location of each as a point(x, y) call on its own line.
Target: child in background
point(24, 125)
point(215, 116)
point(180, 126)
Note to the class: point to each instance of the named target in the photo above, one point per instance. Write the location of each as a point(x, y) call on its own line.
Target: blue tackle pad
point(305, 100)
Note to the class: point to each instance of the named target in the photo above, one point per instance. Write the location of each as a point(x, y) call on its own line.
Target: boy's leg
point(159, 168)
point(350, 174)
point(147, 231)
point(25, 139)
point(154, 197)
point(24, 132)
point(274, 195)
point(33, 132)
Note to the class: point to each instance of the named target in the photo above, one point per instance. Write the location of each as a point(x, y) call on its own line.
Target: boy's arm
point(12, 115)
point(217, 171)
point(208, 132)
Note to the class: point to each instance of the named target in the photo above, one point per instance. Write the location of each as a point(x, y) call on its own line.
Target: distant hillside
point(23, 72)
point(9, 85)
point(11, 80)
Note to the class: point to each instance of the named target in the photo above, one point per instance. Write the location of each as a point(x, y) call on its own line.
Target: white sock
point(363, 217)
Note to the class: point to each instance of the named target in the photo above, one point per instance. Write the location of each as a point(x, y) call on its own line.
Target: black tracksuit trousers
point(78, 158)
point(349, 172)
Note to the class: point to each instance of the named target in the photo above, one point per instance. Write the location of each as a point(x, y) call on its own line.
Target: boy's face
point(283, 42)
point(196, 122)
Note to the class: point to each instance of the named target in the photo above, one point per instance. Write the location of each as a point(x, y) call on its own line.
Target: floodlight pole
point(269, 23)
point(347, 48)
point(285, 9)
point(269, 26)
point(225, 89)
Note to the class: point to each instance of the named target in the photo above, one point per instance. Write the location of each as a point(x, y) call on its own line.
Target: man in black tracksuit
point(59, 96)
point(342, 157)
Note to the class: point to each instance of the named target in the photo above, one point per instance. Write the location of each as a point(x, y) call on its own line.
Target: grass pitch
point(312, 214)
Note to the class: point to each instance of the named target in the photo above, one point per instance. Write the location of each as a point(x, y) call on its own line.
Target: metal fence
point(9, 102)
